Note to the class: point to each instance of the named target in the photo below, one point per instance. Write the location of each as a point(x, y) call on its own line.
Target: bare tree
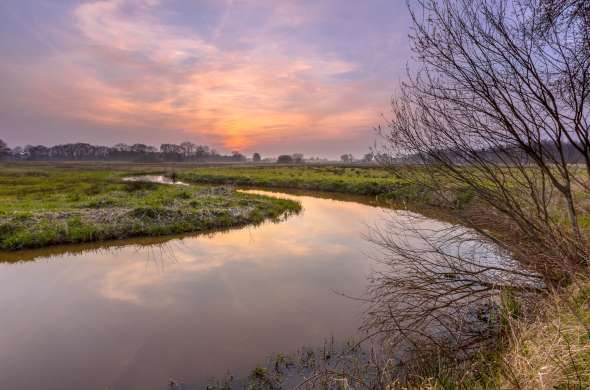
point(347, 158)
point(188, 148)
point(297, 158)
point(171, 149)
point(4, 149)
point(368, 157)
point(493, 108)
point(496, 109)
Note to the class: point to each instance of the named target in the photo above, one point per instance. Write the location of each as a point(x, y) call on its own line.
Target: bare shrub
point(501, 110)
point(496, 109)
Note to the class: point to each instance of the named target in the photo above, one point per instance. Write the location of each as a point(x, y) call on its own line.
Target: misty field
point(42, 205)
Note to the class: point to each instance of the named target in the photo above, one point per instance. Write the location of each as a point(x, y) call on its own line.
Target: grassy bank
point(549, 351)
point(552, 352)
point(368, 181)
point(43, 205)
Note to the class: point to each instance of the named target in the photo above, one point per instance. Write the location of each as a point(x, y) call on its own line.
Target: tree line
point(167, 152)
point(185, 151)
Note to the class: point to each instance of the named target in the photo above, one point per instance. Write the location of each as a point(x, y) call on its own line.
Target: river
point(134, 314)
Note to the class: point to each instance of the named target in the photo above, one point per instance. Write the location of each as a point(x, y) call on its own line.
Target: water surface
point(135, 315)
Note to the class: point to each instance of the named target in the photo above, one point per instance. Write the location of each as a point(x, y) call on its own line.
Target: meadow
point(353, 180)
point(48, 203)
point(45, 204)
point(371, 181)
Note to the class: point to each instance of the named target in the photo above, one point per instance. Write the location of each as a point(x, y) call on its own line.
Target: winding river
point(137, 313)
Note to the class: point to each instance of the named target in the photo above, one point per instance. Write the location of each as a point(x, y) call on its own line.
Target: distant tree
point(122, 152)
point(368, 157)
point(202, 151)
point(121, 147)
point(18, 152)
point(237, 156)
point(4, 149)
point(297, 158)
point(256, 157)
point(37, 152)
point(285, 159)
point(188, 148)
point(347, 158)
point(139, 148)
point(171, 149)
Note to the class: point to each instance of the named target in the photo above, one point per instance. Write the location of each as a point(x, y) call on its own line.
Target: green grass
point(361, 181)
point(43, 205)
point(368, 181)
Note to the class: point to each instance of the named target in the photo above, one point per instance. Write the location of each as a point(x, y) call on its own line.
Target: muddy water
point(134, 314)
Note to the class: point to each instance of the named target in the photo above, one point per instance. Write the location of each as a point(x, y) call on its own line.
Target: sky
point(267, 76)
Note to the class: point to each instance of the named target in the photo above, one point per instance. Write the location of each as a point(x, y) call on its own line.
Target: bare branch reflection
point(438, 287)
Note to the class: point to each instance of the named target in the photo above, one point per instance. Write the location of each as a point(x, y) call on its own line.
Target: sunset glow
point(247, 75)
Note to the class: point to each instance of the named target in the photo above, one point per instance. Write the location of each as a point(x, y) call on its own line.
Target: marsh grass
point(360, 181)
point(552, 352)
point(41, 206)
point(378, 182)
point(546, 348)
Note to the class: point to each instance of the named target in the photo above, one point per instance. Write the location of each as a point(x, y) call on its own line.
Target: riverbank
point(52, 203)
point(374, 181)
point(44, 205)
point(543, 345)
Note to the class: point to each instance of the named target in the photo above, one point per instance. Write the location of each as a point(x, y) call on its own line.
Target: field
point(44, 204)
point(370, 181)
point(360, 181)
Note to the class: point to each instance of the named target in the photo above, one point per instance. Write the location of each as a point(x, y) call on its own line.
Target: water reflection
point(133, 315)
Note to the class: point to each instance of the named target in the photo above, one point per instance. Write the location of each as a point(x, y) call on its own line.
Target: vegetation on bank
point(360, 181)
point(369, 181)
point(553, 351)
point(546, 348)
point(42, 205)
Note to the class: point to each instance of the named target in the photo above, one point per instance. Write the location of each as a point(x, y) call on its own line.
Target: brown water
point(134, 315)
